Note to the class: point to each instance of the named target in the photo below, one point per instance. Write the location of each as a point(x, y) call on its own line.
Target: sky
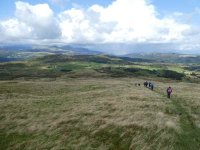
point(172, 23)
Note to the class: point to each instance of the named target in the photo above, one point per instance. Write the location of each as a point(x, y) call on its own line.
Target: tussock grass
point(93, 113)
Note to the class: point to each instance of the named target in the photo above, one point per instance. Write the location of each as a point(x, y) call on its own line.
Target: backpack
point(169, 90)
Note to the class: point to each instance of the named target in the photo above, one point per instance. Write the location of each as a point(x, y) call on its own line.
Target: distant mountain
point(167, 57)
point(24, 52)
point(121, 49)
point(141, 52)
point(79, 50)
point(15, 47)
point(52, 49)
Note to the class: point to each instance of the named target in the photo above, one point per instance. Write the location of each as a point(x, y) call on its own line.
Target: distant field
point(53, 66)
point(97, 113)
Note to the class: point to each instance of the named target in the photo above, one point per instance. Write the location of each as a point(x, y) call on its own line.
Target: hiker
point(145, 83)
point(152, 86)
point(149, 84)
point(169, 91)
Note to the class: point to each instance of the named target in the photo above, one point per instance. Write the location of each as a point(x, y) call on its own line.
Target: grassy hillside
point(91, 102)
point(88, 113)
point(53, 66)
point(168, 57)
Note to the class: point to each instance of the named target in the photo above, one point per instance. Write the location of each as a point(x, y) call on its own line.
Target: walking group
point(150, 85)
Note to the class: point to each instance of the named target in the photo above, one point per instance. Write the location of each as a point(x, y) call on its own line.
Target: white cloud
point(40, 18)
point(12, 28)
point(30, 23)
point(80, 26)
point(123, 21)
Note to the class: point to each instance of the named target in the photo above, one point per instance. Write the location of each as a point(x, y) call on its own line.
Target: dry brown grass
point(88, 113)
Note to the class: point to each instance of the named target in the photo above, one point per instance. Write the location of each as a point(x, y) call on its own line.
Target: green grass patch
point(8, 140)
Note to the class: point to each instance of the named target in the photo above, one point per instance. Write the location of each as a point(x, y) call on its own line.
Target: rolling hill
point(66, 101)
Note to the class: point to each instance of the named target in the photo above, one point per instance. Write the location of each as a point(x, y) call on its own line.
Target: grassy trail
point(189, 137)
